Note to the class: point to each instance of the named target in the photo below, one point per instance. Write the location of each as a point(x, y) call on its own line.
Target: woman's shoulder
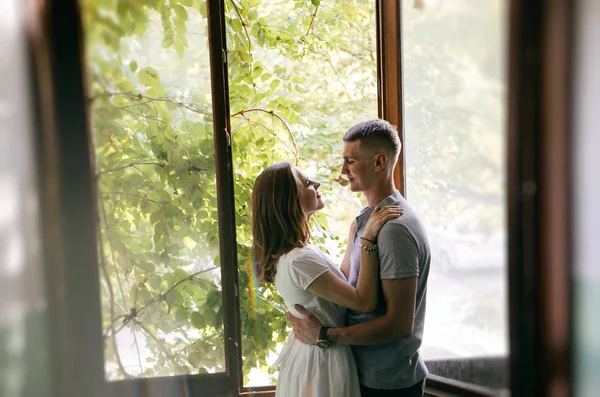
point(290, 261)
point(308, 251)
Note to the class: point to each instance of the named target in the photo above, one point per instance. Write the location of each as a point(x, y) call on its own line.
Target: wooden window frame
point(539, 250)
point(68, 197)
point(390, 96)
point(539, 85)
point(539, 100)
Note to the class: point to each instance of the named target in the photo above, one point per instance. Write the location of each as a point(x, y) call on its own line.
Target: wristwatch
point(323, 342)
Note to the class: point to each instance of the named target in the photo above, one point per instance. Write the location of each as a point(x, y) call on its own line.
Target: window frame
point(540, 38)
point(391, 108)
point(540, 101)
point(390, 94)
point(539, 114)
point(68, 200)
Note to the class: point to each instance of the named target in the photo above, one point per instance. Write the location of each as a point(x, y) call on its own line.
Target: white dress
point(307, 370)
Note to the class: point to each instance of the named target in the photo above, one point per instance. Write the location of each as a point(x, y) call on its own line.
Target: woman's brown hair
point(279, 223)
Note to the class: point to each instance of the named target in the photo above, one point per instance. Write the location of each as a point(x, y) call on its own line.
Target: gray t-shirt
point(403, 253)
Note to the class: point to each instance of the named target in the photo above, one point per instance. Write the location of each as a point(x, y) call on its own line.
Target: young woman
point(283, 199)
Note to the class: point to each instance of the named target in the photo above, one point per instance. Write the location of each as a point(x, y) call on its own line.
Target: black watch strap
point(323, 333)
point(323, 342)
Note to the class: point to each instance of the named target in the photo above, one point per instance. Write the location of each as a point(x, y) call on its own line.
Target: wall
point(24, 356)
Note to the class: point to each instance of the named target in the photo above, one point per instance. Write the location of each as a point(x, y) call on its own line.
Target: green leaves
point(189, 243)
point(149, 77)
point(197, 320)
point(147, 267)
point(181, 12)
point(213, 299)
point(274, 84)
point(153, 135)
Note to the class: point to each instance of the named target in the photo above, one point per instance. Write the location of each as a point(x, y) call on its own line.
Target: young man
point(385, 342)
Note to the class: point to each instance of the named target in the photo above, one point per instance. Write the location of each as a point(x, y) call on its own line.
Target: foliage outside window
point(152, 125)
point(314, 65)
point(300, 74)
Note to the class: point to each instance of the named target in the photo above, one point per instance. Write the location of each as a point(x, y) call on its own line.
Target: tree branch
point(183, 349)
point(243, 26)
point(134, 105)
point(189, 278)
point(135, 312)
point(149, 99)
point(158, 342)
point(158, 119)
point(137, 348)
point(143, 173)
point(339, 78)
point(110, 245)
point(272, 132)
point(133, 195)
point(312, 20)
point(133, 165)
point(111, 295)
point(272, 113)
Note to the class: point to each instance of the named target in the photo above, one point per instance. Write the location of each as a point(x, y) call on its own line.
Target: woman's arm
point(345, 266)
point(363, 298)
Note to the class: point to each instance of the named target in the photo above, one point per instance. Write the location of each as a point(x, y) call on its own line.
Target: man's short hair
point(376, 134)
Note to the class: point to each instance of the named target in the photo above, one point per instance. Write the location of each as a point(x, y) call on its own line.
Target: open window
point(152, 119)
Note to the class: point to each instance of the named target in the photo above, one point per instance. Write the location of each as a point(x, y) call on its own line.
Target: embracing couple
point(357, 328)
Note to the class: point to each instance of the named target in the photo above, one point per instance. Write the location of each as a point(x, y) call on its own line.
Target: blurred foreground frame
point(539, 247)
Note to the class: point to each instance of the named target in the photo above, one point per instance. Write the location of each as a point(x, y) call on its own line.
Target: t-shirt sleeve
point(306, 268)
point(398, 252)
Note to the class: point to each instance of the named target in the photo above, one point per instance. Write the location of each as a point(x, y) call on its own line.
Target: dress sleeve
point(307, 268)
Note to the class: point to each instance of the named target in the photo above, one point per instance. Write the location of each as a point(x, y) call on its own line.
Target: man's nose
point(317, 184)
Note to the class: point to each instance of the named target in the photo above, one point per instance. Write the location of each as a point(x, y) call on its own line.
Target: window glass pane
point(299, 77)
point(586, 141)
point(151, 112)
point(455, 121)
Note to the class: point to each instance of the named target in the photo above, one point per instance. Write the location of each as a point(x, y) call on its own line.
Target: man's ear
point(381, 160)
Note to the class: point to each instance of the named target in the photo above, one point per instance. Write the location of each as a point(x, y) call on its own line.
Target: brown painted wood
point(225, 191)
point(389, 75)
point(263, 391)
point(68, 211)
point(554, 250)
point(539, 124)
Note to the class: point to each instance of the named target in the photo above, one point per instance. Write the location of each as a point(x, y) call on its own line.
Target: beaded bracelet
point(368, 249)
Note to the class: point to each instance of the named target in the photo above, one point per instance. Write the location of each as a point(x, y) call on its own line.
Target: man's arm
point(397, 323)
point(399, 261)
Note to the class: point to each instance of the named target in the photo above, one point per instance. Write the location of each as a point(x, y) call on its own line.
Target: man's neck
point(379, 192)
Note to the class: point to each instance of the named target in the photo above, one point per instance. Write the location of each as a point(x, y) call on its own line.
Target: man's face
point(359, 166)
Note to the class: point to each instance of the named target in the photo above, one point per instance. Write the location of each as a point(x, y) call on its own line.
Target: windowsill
point(488, 372)
point(435, 386)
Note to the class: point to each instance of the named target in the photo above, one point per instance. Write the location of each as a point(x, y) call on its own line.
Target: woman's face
point(310, 197)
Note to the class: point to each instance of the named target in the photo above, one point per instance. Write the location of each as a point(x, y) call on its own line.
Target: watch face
point(323, 344)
